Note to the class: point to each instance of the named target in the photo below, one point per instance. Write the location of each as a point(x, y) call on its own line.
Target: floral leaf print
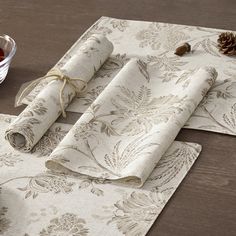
point(142, 111)
point(108, 129)
point(120, 158)
point(49, 142)
point(172, 163)
point(112, 66)
point(96, 29)
point(5, 223)
point(121, 25)
point(159, 35)
point(136, 212)
point(97, 191)
point(44, 183)
point(37, 108)
point(67, 224)
point(185, 78)
point(230, 119)
point(208, 46)
point(9, 159)
point(93, 183)
point(91, 95)
point(143, 69)
point(221, 90)
point(162, 62)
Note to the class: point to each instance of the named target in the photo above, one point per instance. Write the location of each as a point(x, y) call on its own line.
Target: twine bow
point(57, 74)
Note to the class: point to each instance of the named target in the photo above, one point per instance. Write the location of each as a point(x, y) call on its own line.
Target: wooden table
point(205, 203)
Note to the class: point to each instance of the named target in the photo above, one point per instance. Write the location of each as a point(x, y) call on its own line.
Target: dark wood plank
point(205, 203)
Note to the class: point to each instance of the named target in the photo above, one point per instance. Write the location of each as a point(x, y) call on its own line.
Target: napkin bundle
point(35, 120)
point(131, 124)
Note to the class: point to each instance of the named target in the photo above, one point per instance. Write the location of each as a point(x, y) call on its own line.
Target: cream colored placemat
point(34, 201)
point(155, 43)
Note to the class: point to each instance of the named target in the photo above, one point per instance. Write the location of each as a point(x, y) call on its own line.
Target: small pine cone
point(227, 43)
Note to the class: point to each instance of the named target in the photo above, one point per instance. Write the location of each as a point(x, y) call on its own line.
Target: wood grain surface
point(205, 202)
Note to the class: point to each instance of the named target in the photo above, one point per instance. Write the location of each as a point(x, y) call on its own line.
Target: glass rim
point(13, 49)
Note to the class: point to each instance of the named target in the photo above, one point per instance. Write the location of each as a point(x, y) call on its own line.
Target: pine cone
point(227, 43)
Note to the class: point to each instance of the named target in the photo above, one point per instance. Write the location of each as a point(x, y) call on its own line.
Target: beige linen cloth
point(131, 124)
point(42, 112)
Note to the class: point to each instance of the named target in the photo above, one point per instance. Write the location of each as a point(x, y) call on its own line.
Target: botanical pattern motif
point(143, 69)
point(91, 95)
point(230, 119)
point(112, 66)
point(165, 63)
point(121, 25)
point(207, 45)
point(5, 223)
point(143, 110)
point(92, 184)
point(49, 142)
point(34, 121)
point(172, 163)
point(51, 204)
point(136, 212)
point(68, 224)
point(161, 35)
point(9, 159)
point(44, 183)
point(119, 160)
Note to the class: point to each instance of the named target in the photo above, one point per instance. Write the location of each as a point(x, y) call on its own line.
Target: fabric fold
point(131, 124)
point(43, 111)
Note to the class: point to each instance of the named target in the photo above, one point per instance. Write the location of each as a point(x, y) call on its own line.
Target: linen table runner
point(155, 43)
point(34, 121)
point(37, 202)
point(131, 124)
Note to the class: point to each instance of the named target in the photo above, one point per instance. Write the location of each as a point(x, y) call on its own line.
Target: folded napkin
point(35, 120)
point(131, 124)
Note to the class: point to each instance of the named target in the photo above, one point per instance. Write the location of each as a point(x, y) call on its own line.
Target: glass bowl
point(8, 45)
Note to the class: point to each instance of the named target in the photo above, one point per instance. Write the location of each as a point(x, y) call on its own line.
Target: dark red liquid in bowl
point(1, 55)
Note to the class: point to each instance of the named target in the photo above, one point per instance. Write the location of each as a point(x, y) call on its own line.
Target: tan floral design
point(95, 29)
point(91, 95)
point(136, 212)
point(230, 119)
point(37, 108)
point(171, 164)
point(208, 46)
point(142, 110)
point(112, 66)
point(9, 159)
point(5, 223)
point(68, 224)
point(49, 142)
point(120, 158)
point(44, 183)
point(159, 35)
point(166, 63)
point(121, 25)
point(93, 183)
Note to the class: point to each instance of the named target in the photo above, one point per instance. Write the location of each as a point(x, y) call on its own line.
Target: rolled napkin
point(131, 124)
point(63, 86)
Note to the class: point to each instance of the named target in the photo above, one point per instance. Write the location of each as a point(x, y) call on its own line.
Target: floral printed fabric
point(35, 201)
point(155, 43)
point(131, 124)
point(34, 121)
